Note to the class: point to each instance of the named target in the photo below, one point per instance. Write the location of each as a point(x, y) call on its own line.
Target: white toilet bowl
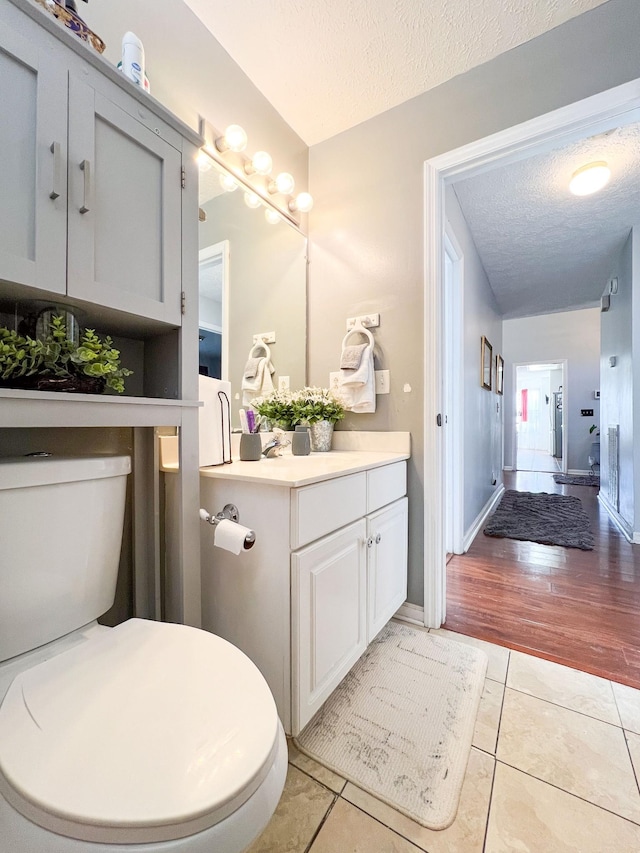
point(144, 738)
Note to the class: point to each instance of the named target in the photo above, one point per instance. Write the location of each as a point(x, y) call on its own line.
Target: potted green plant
point(55, 362)
point(276, 409)
point(321, 409)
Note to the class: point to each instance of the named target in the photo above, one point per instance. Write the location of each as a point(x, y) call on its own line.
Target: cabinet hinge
point(183, 177)
point(183, 302)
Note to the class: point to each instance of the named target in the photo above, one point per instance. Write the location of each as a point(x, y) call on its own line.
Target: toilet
point(147, 737)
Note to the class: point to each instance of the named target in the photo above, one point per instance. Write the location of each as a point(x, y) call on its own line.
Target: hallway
point(578, 608)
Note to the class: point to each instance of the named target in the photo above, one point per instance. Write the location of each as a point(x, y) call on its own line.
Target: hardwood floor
point(578, 608)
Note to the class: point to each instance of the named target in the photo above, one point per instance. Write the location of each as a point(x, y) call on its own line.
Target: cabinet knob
point(370, 542)
point(378, 538)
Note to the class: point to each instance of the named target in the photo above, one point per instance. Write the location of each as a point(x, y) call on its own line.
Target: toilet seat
point(147, 733)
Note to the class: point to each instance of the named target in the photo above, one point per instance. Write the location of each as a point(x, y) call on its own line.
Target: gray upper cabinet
point(90, 190)
point(33, 179)
point(124, 209)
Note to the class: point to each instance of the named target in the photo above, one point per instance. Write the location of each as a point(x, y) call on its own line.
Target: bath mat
point(541, 517)
point(400, 724)
point(577, 479)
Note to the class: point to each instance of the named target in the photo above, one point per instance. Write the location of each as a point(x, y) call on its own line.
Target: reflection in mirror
point(252, 280)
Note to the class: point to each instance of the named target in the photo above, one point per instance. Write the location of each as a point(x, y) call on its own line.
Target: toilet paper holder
point(230, 513)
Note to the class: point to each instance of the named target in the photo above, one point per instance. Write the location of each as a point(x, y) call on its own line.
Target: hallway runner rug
point(400, 724)
point(577, 479)
point(541, 517)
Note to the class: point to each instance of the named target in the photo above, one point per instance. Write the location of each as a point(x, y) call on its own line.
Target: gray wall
point(571, 335)
point(617, 386)
point(482, 408)
point(367, 233)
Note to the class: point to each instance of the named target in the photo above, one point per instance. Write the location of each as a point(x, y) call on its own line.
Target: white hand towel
point(357, 387)
point(260, 384)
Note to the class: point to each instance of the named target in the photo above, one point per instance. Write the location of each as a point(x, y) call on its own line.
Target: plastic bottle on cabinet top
point(133, 59)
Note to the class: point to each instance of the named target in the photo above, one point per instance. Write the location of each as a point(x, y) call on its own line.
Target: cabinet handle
point(370, 542)
point(57, 170)
point(86, 168)
point(378, 538)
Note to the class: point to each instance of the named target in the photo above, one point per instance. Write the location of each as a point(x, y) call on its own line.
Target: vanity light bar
point(251, 173)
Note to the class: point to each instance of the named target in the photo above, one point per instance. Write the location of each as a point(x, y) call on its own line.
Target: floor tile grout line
point(336, 797)
point(315, 779)
point(493, 783)
point(570, 793)
point(633, 767)
point(386, 825)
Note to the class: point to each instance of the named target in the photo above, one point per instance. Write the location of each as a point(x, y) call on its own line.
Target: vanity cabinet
point(327, 572)
point(91, 201)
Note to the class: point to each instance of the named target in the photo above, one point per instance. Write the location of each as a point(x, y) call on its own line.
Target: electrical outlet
point(586, 413)
point(334, 381)
point(382, 381)
point(283, 383)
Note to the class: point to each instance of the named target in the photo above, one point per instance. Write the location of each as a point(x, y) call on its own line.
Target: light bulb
point(590, 178)
point(260, 164)
point(252, 200)
point(272, 217)
point(204, 162)
point(234, 139)
point(228, 183)
point(284, 184)
point(302, 202)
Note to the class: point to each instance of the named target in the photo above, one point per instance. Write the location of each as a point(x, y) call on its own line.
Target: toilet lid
point(150, 731)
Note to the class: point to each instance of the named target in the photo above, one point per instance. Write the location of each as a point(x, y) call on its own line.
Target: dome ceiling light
point(590, 178)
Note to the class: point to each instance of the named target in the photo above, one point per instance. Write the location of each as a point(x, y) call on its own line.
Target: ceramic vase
point(321, 434)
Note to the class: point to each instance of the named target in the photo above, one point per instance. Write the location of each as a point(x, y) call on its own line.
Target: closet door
point(124, 210)
point(33, 178)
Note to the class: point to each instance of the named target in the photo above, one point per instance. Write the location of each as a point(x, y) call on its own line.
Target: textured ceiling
point(543, 249)
point(327, 65)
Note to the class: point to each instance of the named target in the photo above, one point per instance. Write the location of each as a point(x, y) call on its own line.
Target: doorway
point(539, 432)
point(593, 115)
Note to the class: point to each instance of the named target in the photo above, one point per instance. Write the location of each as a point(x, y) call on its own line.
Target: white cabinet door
point(33, 178)
point(124, 210)
point(387, 532)
point(328, 600)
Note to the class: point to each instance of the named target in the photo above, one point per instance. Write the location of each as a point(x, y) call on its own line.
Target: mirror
point(252, 277)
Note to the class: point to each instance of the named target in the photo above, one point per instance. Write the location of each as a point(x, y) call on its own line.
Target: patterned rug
point(577, 479)
point(541, 517)
point(400, 724)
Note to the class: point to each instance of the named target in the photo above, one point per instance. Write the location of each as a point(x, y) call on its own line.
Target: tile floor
point(554, 767)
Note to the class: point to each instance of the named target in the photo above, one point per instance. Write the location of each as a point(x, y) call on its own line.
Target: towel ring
point(260, 345)
point(358, 329)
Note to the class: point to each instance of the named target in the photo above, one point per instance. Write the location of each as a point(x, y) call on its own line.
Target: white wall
point(367, 226)
point(482, 430)
point(570, 335)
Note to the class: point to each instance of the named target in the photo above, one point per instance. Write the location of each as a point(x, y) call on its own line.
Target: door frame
point(596, 114)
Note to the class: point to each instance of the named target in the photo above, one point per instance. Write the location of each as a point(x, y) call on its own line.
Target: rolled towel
point(352, 356)
point(251, 368)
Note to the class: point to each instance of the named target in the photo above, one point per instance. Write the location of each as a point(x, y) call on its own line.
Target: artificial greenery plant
point(56, 355)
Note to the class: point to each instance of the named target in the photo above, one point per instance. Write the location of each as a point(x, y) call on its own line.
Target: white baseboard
point(507, 467)
point(578, 471)
point(623, 526)
point(412, 613)
point(636, 537)
point(482, 517)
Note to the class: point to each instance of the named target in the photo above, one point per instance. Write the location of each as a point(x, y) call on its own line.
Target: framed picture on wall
point(486, 368)
point(499, 374)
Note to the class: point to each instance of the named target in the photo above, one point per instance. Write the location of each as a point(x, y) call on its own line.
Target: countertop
point(294, 471)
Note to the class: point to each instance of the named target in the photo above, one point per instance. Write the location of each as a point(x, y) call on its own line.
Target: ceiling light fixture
point(234, 139)
point(590, 178)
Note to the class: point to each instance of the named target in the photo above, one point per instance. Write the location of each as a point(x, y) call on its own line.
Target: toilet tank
point(61, 522)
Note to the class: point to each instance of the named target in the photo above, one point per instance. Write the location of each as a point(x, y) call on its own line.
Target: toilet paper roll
point(230, 536)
